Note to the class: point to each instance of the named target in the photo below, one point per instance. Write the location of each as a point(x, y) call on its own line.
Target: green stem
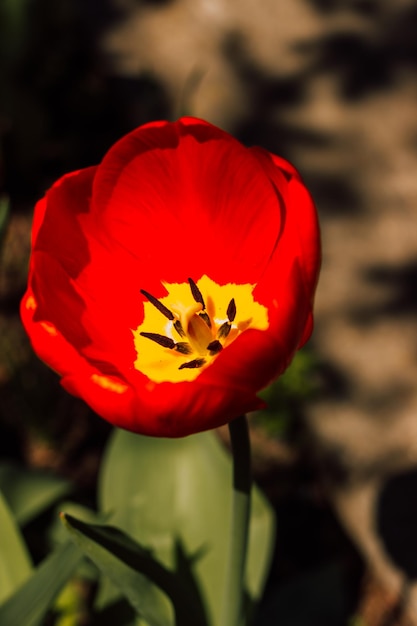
point(233, 605)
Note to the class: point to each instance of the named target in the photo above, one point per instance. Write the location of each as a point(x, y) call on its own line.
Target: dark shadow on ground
point(400, 284)
point(397, 520)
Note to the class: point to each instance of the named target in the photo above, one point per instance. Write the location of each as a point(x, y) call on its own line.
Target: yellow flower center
point(182, 333)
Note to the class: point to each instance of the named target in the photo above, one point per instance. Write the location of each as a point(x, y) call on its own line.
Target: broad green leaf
point(125, 563)
point(29, 492)
point(30, 603)
point(15, 563)
point(180, 586)
point(158, 490)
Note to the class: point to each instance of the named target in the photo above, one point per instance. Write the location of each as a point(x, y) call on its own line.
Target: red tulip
point(173, 281)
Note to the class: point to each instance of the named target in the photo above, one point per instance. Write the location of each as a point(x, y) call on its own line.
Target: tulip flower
point(172, 282)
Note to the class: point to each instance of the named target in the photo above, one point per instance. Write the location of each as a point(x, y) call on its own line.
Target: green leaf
point(30, 603)
point(159, 490)
point(126, 564)
point(29, 493)
point(15, 563)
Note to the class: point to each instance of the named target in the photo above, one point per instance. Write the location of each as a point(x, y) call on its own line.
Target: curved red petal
point(81, 286)
point(256, 357)
point(59, 221)
point(287, 288)
point(300, 237)
point(297, 257)
point(48, 342)
point(188, 194)
point(162, 410)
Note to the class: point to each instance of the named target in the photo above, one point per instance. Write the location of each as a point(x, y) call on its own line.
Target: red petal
point(301, 233)
point(80, 286)
point(48, 342)
point(296, 259)
point(164, 410)
point(188, 198)
point(287, 288)
point(59, 221)
point(257, 357)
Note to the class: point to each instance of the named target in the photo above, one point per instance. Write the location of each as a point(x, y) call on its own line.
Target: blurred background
point(330, 85)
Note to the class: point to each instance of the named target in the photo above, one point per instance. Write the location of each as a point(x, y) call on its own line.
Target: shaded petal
point(57, 299)
point(109, 397)
point(48, 343)
point(80, 286)
point(295, 264)
point(58, 224)
point(163, 410)
point(301, 232)
point(256, 357)
point(110, 400)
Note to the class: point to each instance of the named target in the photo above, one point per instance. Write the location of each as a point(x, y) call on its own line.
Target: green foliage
point(30, 603)
point(135, 572)
point(163, 491)
point(286, 395)
point(171, 501)
point(28, 492)
point(26, 595)
point(15, 563)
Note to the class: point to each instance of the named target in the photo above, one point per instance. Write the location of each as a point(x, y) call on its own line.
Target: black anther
point(224, 330)
point(183, 347)
point(192, 364)
point(161, 307)
point(214, 346)
point(231, 310)
point(197, 295)
point(204, 316)
point(165, 342)
point(178, 327)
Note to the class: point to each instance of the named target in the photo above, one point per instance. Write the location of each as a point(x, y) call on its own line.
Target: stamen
point(192, 322)
point(161, 307)
point(183, 347)
point(196, 363)
point(231, 310)
point(197, 295)
point(163, 341)
point(206, 318)
point(224, 330)
point(178, 327)
point(214, 347)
